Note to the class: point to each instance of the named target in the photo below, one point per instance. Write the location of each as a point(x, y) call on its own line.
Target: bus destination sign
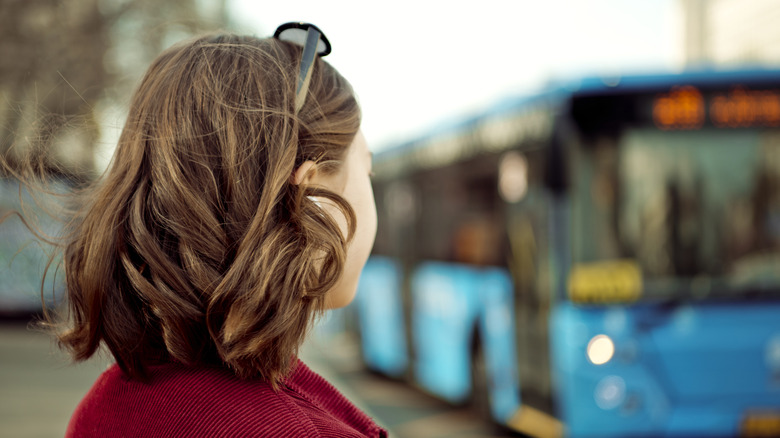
point(686, 108)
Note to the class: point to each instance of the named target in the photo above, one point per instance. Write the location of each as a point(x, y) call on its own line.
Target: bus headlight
point(600, 349)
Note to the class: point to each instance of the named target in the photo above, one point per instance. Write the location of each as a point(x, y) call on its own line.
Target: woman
point(237, 207)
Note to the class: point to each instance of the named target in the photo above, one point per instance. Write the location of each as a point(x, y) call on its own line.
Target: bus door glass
point(521, 185)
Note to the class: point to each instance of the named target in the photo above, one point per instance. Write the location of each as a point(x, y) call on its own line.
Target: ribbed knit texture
point(190, 402)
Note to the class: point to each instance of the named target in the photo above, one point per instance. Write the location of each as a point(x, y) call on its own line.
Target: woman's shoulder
point(178, 400)
point(183, 401)
point(326, 408)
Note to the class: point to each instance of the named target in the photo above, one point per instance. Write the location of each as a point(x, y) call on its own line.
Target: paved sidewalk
point(39, 388)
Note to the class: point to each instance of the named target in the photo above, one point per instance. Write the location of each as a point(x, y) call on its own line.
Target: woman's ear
point(304, 173)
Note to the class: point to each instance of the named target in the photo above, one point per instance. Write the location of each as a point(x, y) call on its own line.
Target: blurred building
point(730, 32)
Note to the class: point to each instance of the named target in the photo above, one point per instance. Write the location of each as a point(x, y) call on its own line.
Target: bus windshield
point(691, 208)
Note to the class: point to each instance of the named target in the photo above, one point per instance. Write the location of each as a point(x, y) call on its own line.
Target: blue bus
point(23, 256)
point(598, 259)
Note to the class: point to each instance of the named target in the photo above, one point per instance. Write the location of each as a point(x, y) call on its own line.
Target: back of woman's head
point(196, 246)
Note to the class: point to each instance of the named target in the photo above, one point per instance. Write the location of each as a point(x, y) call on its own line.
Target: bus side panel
point(380, 314)
point(445, 306)
point(498, 337)
point(23, 257)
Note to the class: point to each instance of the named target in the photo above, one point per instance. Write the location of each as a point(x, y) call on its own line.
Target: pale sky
point(414, 64)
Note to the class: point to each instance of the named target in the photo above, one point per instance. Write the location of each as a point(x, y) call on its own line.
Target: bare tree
point(60, 59)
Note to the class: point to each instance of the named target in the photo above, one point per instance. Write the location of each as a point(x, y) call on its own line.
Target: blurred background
point(579, 206)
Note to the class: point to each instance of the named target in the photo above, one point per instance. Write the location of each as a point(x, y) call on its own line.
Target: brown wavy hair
point(195, 245)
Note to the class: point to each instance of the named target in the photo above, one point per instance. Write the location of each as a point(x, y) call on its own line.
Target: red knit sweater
point(190, 402)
